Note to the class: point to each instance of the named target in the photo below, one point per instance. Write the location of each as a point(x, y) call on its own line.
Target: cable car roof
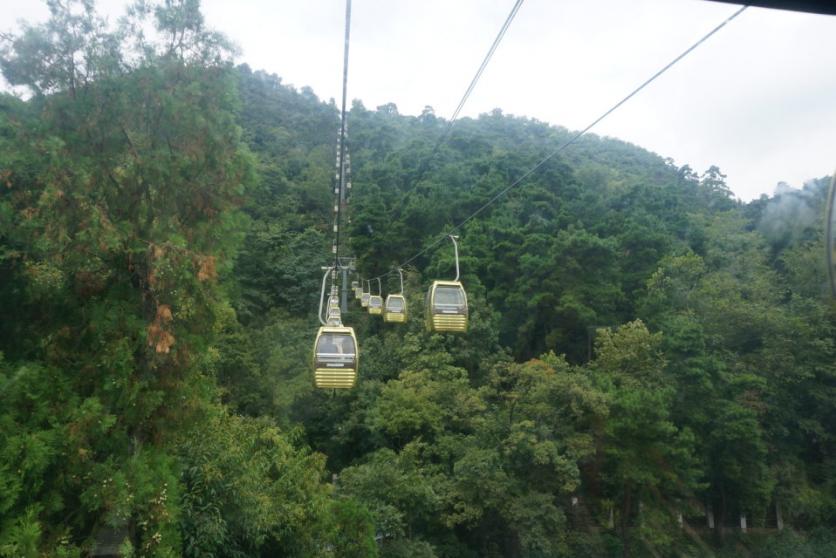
point(446, 283)
point(336, 329)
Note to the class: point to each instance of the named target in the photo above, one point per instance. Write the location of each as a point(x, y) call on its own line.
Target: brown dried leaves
point(158, 337)
point(206, 268)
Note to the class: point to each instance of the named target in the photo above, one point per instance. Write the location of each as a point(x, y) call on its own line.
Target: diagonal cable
point(479, 72)
point(570, 141)
point(422, 169)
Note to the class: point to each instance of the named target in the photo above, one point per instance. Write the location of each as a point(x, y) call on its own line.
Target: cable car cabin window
point(335, 350)
point(395, 305)
point(447, 298)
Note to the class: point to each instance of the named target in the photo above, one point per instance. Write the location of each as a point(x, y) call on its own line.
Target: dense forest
point(650, 362)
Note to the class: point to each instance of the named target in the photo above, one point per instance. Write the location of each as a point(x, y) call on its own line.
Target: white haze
point(793, 211)
point(758, 99)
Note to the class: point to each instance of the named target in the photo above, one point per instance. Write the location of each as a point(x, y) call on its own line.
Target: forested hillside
point(649, 360)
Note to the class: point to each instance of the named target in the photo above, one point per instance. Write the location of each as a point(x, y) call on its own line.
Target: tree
point(649, 464)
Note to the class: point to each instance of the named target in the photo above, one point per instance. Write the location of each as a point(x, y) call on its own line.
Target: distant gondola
point(376, 301)
point(365, 296)
point(395, 308)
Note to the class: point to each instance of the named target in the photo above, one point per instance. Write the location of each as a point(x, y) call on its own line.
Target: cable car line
point(422, 169)
point(342, 161)
point(479, 72)
point(567, 143)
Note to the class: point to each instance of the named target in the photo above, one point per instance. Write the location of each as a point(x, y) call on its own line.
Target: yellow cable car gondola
point(365, 296)
point(446, 302)
point(357, 289)
point(336, 358)
point(336, 355)
point(395, 308)
point(334, 315)
point(376, 301)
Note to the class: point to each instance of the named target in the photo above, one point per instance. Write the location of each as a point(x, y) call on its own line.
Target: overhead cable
point(443, 137)
point(481, 69)
point(569, 142)
point(342, 161)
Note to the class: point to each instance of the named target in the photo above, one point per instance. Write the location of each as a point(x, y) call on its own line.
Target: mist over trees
point(649, 363)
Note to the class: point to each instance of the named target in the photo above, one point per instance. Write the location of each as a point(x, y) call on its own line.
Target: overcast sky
point(758, 99)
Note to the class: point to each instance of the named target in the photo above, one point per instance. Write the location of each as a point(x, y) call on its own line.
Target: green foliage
point(248, 491)
point(353, 534)
point(649, 464)
point(122, 181)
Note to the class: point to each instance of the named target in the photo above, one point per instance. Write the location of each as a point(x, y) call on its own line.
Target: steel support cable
point(422, 169)
point(569, 142)
point(341, 177)
point(481, 69)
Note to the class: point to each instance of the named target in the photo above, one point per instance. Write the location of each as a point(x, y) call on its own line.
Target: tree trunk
point(624, 526)
point(779, 519)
